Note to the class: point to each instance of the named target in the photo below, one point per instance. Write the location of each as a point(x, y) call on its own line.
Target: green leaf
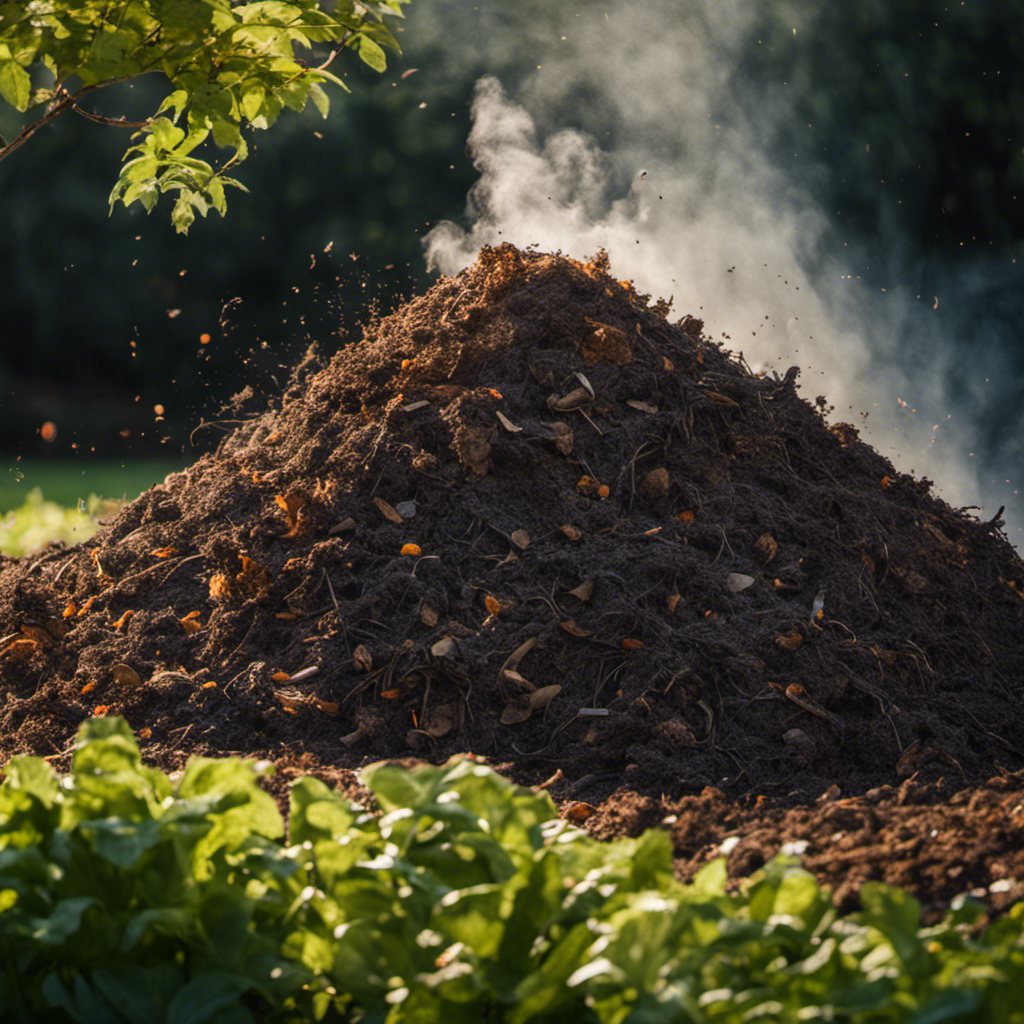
point(182, 215)
point(140, 993)
point(370, 53)
point(204, 996)
point(15, 84)
point(320, 99)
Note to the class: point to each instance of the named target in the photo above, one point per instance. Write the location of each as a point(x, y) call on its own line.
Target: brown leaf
point(673, 601)
point(125, 675)
point(516, 710)
point(492, 604)
point(720, 399)
point(571, 532)
point(584, 590)
point(656, 483)
point(791, 641)
point(164, 552)
point(635, 403)
point(428, 616)
point(387, 511)
point(520, 538)
point(362, 659)
point(326, 706)
point(541, 698)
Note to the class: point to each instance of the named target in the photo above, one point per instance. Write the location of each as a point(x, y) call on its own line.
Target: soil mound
point(529, 517)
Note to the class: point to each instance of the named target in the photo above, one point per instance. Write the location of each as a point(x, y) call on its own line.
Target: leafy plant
point(130, 896)
point(229, 64)
point(38, 522)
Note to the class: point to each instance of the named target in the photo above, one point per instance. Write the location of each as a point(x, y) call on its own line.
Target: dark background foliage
point(906, 120)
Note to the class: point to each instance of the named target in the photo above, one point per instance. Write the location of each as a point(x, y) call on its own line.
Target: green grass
point(68, 482)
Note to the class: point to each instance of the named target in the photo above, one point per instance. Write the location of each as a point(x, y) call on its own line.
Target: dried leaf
point(390, 694)
point(328, 707)
point(636, 403)
point(791, 641)
point(125, 675)
point(281, 677)
point(541, 698)
point(286, 616)
point(362, 659)
point(517, 710)
point(292, 503)
point(345, 526)
point(737, 581)
point(584, 590)
point(687, 516)
point(586, 383)
point(673, 601)
point(387, 510)
point(512, 661)
point(510, 675)
point(428, 616)
point(443, 648)
point(492, 604)
point(571, 532)
point(439, 720)
point(164, 552)
point(520, 538)
point(630, 644)
point(506, 422)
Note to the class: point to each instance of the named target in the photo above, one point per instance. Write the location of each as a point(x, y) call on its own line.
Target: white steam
point(688, 204)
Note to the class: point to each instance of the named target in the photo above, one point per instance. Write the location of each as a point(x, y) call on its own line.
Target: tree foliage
point(229, 65)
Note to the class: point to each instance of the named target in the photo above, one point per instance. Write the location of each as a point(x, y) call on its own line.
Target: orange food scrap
point(145, 733)
point(577, 812)
point(88, 604)
point(630, 644)
point(406, 363)
point(100, 710)
point(48, 431)
point(293, 504)
point(390, 694)
point(121, 622)
point(886, 482)
point(88, 688)
point(794, 690)
point(572, 532)
point(687, 516)
point(164, 552)
point(220, 585)
point(492, 604)
point(204, 339)
point(497, 394)
point(790, 642)
point(207, 686)
point(411, 549)
point(190, 623)
point(288, 616)
point(603, 491)
point(70, 610)
point(281, 677)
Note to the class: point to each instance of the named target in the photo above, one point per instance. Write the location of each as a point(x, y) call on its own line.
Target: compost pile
point(529, 517)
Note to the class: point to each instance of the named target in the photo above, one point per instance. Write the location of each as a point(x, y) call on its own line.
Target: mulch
point(530, 516)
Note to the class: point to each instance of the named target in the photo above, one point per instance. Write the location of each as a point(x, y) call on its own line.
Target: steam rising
point(665, 165)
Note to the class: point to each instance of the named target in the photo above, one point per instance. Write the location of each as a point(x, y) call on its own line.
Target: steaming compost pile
point(531, 518)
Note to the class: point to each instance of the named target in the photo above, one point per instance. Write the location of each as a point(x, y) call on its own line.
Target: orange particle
point(281, 677)
point(886, 482)
point(206, 686)
point(411, 549)
point(144, 734)
point(204, 339)
point(71, 609)
point(497, 394)
point(687, 516)
point(88, 686)
point(285, 615)
point(629, 644)
point(492, 604)
point(121, 621)
point(100, 710)
point(164, 552)
point(48, 431)
point(390, 694)
point(406, 363)
point(603, 491)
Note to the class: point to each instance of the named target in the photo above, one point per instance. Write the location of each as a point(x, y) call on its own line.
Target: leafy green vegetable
point(130, 896)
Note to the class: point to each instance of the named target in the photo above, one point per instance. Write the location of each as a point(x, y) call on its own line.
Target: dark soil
point(683, 594)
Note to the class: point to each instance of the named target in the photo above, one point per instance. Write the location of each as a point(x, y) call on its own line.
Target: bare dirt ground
point(530, 517)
